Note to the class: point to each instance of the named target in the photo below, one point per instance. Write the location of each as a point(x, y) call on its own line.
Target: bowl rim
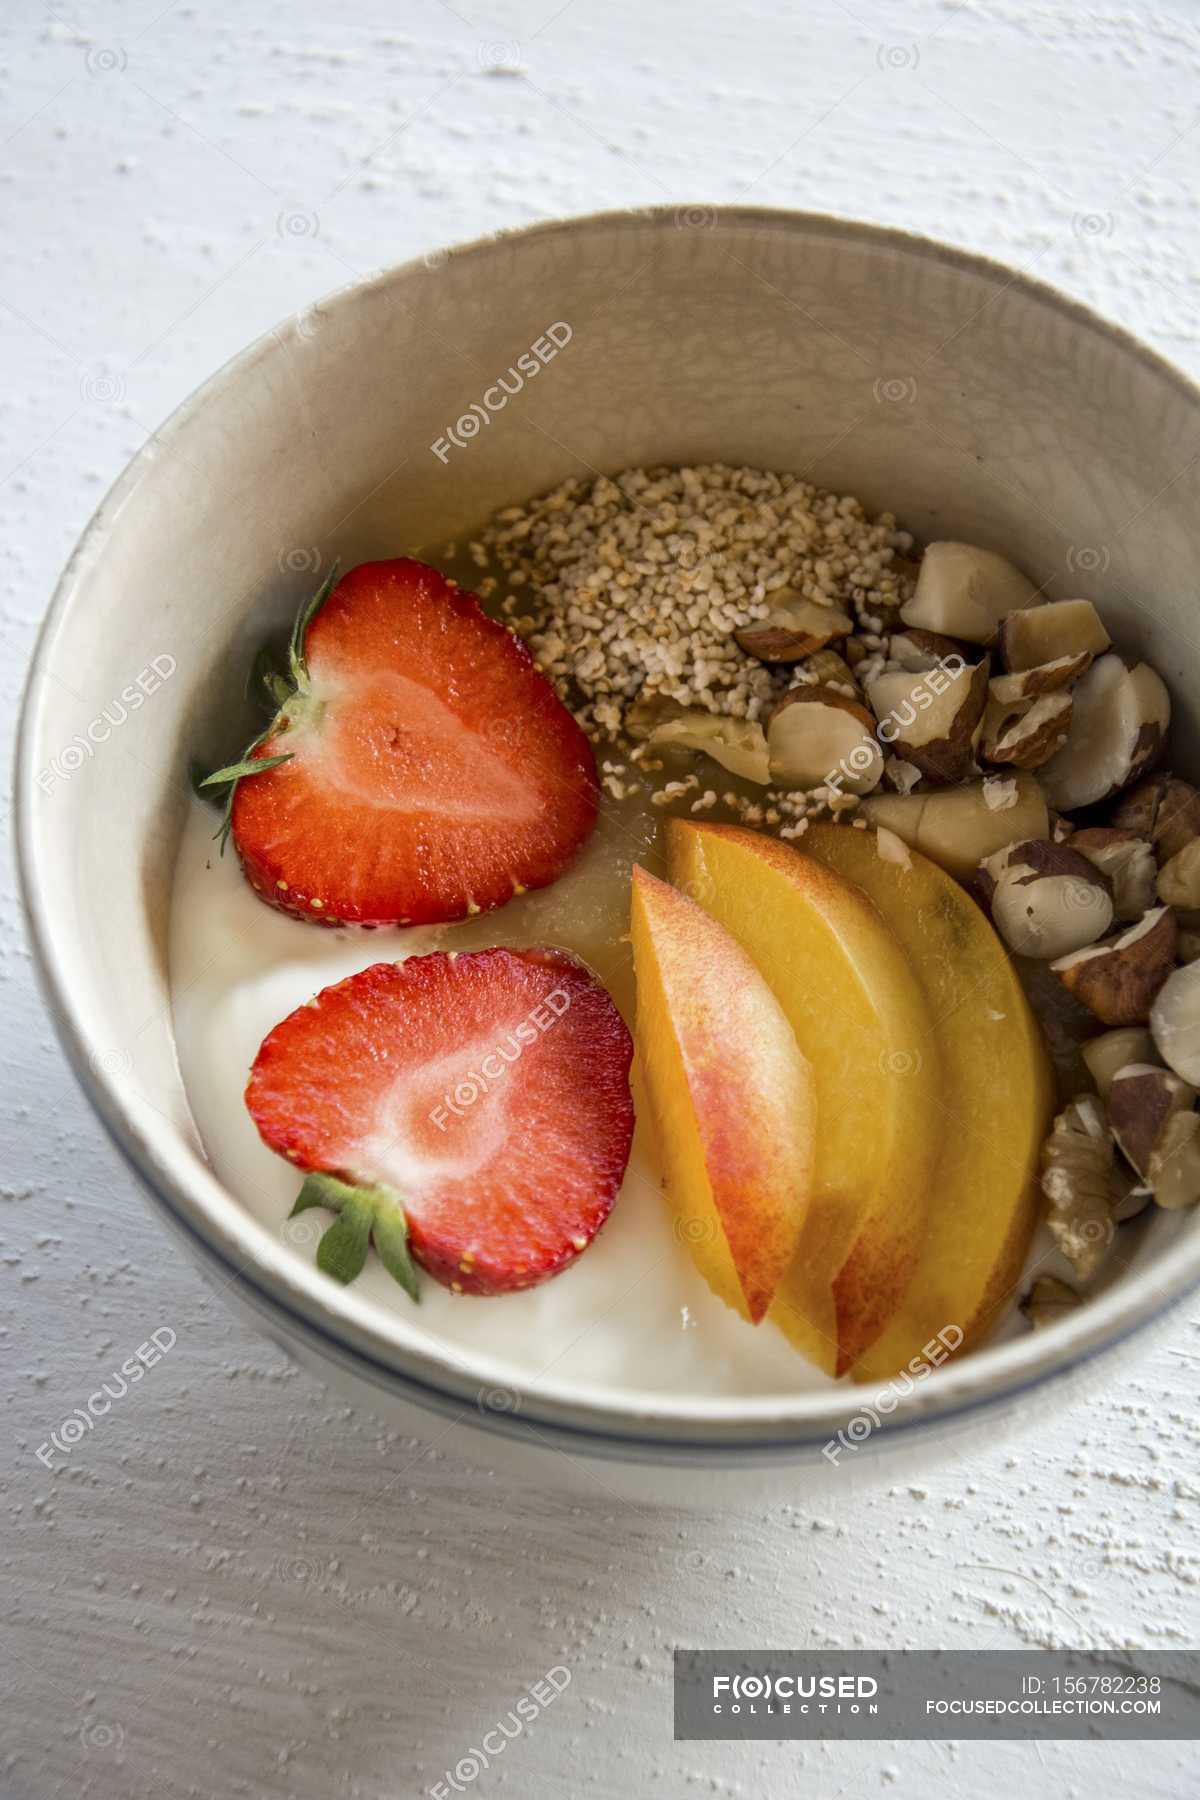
point(183, 1184)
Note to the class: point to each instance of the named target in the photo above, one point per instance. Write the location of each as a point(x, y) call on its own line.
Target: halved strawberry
point(422, 769)
point(479, 1099)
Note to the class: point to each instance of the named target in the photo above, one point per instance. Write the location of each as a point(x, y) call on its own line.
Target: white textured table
point(236, 1586)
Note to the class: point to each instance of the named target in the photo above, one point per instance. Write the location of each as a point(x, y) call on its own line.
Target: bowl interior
point(970, 402)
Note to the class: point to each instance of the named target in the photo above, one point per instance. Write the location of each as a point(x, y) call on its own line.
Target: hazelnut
point(1045, 899)
point(931, 719)
point(1175, 1022)
point(964, 591)
point(1179, 879)
point(794, 627)
point(1117, 730)
point(1114, 1050)
point(920, 651)
point(1077, 1163)
point(738, 745)
point(1141, 1099)
point(1118, 978)
point(1174, 1174)
point(1046, 678)
point(1059, 631)
point(1127, 860)
point(1158, 1131)
point(1163, 809)
point(1028, 733)
point(816, 734)
point(649, 710)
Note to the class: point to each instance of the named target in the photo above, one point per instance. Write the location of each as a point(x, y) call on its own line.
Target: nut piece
point(1187, 946)
point(1046, 900)
point(1049, 1300)
point(793, 628)
point(931, 719)
point(1077, 1163)
point(1179, 879)
point(1029, 733)
point(1163, 809)
point(816, 734)
point(1118, 978)
point(901, 775)
point(1174, 1173)
point(891, 849)
point(1114, 1050)
point(964, 591)
point(649, 710)
point(1175, 1022)
point(1045, 678)
point(1001, 792)
point(1177, 820)
point(1050, 633)
point(1159, 1133)
point(1138, 809)
point(920, 651)
point(1119, 724)
point(1127, 860)
point(738, 745)
point(1141, 1100)
point(958, 827)
point(832, 670)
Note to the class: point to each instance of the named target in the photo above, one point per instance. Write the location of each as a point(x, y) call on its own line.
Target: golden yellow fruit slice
point(861, 1020)
point(730, 1094)
point(994, 1105)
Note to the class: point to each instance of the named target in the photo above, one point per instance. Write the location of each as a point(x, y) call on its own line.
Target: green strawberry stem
point(251, 765)
point(342, 1251)
point(365, 1215)
point(304, 618)
point(282, 690)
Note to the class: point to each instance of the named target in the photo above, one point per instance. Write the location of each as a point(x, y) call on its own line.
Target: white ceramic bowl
point(971, 401)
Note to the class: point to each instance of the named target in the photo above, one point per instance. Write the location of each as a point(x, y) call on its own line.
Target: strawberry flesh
point(432, 770)
point(488, 1089)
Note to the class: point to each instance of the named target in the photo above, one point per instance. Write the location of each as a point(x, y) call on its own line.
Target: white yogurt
point(632, 1311)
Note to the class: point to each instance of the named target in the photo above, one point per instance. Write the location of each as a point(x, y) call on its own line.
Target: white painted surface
point(233, 1586)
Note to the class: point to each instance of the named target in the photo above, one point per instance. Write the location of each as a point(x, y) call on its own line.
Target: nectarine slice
point(730, 1094)
point(861, 1020)
point(994, 1104)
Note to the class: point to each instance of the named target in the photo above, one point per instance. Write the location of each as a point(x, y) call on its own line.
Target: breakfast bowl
point(395, 418)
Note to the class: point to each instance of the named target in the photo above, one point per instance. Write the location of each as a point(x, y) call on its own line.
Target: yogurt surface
point(632, 1312)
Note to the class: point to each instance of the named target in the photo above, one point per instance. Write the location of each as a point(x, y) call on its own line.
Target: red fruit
point(432, 770)
point(488, 1090)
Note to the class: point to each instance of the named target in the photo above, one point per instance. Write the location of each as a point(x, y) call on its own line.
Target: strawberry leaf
point(365, 1215)
point(252, 765)
point(266, 675)
point(304, 618)
point(322, 1190)
point(390, 1237)
point(342, 1251)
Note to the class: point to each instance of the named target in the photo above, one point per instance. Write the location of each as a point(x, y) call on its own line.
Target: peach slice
point(862, 1022)
point(730, 1094)
point(995, 1101)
